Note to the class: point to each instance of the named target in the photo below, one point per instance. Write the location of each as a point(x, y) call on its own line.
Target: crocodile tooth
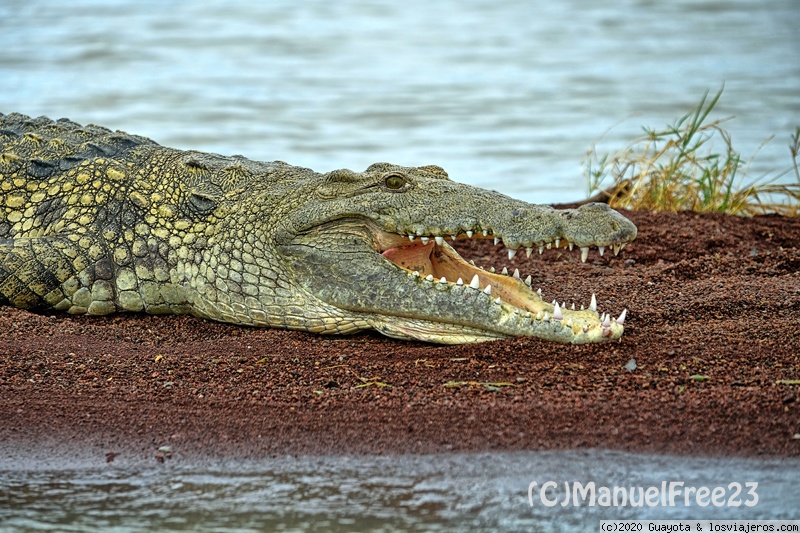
point(443, 280)
point(415, 273)
point(569, 323)
point(584, 253)
point(554, 302)
point(516, 274)
point(452, 237)
point(586, 329)
point(528, 252)
point(410, 237)
point(558, 242)
point(539, 292)
point(606, 321)
point(541, 249)
point(496, 240)
point(546, 317)
point(602, 250)
point(621, 319)
point(460, 281)
point(511, 253)
point(471, 262)
point(475, 283)
point(469, 233)
point(485, 233)
point(563, 305)
point(557, 313)
point(549, 245)
point(491, 269)
point(488, 289)
point(615, 247)
point(593, 304)
point(573, 306)
point(429, 277)
point(439, 240)
point(424, 240)
point(528, 280)
point(498, 301)
point(504, 271)
point(571, 246)
point(623, 245)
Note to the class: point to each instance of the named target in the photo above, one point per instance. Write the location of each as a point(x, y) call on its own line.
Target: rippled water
point(507, 95)
point(485, 492)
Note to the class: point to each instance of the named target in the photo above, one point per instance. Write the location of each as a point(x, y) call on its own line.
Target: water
point(505, 95)
point(456, 492)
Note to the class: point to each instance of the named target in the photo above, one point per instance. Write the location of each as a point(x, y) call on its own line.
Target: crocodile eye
point(394, 181)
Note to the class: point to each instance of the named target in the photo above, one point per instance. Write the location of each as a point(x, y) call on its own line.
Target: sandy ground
point(713, 327)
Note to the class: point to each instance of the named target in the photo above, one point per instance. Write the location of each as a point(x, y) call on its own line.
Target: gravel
point(713, 328)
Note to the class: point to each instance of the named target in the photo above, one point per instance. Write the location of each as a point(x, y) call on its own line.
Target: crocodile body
point(97, 222)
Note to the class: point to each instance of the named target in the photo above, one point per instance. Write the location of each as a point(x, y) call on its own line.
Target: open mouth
point(433, 259)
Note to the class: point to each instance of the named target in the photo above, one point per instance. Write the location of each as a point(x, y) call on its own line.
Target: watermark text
point(667, 494)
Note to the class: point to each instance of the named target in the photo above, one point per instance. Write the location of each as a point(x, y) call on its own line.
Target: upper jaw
point(589, 226)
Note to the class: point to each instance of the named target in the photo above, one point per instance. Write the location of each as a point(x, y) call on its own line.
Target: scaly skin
point(96, 222)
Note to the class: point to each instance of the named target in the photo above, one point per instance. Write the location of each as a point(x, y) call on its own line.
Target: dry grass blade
point(677, 169)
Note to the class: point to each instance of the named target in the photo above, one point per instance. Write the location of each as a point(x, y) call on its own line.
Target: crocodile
point(95, 221)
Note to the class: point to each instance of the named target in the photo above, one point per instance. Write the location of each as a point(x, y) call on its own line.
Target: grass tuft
point(677, 169)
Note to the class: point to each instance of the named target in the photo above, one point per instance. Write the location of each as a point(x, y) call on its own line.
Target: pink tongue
point(413, 257)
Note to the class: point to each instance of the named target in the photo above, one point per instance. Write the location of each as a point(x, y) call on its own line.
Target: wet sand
point(713, 327)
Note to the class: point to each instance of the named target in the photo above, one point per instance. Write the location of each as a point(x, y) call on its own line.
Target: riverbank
point(712, 330)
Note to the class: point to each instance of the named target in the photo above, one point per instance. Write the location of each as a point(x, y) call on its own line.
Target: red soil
point(713, 326)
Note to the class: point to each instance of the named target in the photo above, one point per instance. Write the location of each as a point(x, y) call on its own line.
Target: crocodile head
point(371, 250)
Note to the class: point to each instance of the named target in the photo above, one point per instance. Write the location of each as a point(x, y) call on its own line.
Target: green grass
point(679, 168)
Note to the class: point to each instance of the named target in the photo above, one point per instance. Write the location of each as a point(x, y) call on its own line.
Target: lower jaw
point(440, 263)
point(434, 332)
